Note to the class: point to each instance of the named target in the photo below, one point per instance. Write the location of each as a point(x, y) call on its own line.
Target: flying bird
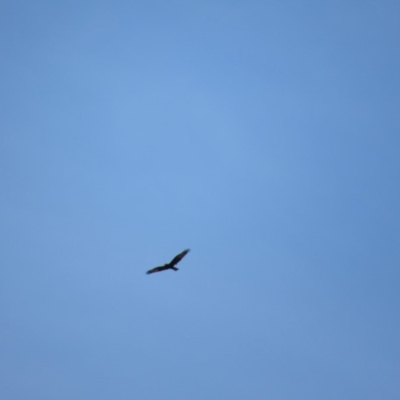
point(170, 265)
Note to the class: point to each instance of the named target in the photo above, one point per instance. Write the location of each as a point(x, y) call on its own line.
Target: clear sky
point(262, 135)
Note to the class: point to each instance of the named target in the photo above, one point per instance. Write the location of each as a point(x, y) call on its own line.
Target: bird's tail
point(175, 269)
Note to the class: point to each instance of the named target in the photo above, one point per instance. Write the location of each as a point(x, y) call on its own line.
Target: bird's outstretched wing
point(158, 269)
point(179, 257)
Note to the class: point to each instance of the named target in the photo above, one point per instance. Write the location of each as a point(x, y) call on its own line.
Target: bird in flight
point(170, 265)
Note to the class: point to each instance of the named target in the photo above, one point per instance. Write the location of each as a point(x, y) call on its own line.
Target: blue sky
point(262, 135)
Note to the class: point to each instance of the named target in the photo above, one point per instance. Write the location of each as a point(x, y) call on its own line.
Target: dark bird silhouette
point(170, 265)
